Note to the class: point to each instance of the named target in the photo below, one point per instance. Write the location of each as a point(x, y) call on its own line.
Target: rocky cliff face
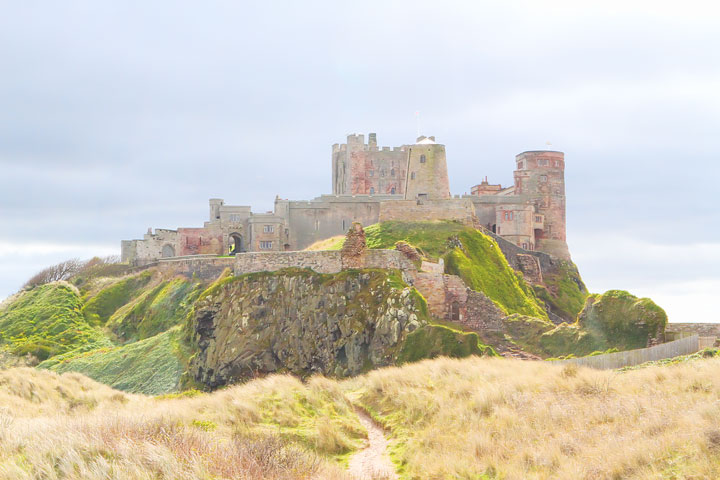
point(301, 322)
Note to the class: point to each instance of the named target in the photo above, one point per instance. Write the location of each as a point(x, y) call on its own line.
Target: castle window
point(370, 173)
point(372, 190)
point(392, 191)
point(382, 173)
point(542, 162)
point(269, 228)
point(392, 172)
point(524, 245)
point(422, 159)
point(508, 215)
point(265, 245)
point(521, 165)
point(235, 218)
point(543, 178)
point(412, 176)
point(538, 219)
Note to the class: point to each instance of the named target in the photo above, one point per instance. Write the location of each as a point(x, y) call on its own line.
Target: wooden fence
point(607, 361)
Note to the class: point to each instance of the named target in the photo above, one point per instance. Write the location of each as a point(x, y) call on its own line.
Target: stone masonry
point(371, 184)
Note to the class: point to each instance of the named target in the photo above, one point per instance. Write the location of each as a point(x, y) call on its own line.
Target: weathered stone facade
point(372, 184)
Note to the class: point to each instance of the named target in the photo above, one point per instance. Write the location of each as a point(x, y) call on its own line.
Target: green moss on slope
point(432, 341)
point(483, 267)
point(155, 310)
point(622, 320)
point(151, 366)
point(47, 321)
point(99, 308)
point(479, 262)
point(565, 292)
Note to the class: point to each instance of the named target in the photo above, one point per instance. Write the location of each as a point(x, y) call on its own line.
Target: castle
point(371, 184)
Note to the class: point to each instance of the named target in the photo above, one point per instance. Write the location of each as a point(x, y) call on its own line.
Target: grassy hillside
point(47, 321)
point(155, 310)
point(476, 418)
point(468, 253)
point(151, 366)
point(102, 305)
point(505, 419)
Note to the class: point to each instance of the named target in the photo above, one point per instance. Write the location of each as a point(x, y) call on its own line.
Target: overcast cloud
point(117, 116)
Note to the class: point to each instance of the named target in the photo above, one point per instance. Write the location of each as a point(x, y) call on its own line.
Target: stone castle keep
point(371, 184)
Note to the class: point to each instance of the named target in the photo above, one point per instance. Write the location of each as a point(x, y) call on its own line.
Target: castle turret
point(540, 177)
point(215, 204)
point(427, 175)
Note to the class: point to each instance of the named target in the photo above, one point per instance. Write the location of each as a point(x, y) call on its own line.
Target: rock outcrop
point(301, 322)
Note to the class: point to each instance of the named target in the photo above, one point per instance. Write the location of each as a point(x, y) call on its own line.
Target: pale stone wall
point(321, 262)
point(411, 210)
point(205, 267)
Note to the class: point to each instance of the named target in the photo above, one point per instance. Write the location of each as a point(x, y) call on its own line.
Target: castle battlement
point(372, 183)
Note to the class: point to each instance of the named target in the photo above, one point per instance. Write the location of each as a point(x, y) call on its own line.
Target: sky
point(119, 116)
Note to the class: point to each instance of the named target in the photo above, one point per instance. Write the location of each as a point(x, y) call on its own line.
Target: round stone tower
point(427, 175)
point(540, 177)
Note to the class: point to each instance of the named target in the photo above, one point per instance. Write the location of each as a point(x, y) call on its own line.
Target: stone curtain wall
point(205, 267)
point(414, 211)
point(320, 262)
point(679, 330)
point(629, 358)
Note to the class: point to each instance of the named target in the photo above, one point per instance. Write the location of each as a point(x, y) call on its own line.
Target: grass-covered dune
point(474, 418)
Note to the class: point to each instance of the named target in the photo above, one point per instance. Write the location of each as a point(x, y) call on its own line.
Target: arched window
point(392, 191)
point(168, 251)
point(372, 190)
point(422, 158)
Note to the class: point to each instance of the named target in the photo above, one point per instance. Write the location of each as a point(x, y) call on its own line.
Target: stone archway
point(235, 243)
point(168, 251)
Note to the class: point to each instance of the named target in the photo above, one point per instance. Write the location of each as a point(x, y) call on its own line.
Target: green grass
point(619, 319)
point(565, 292)
point(155, 310)
point(47, 321)
point(98, 309)
point(479, 262)
point(431, 237)
point(152, 366)
point(432, 341)
point(483, 267)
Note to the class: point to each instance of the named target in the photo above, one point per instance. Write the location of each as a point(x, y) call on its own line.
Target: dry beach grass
point(472, 418)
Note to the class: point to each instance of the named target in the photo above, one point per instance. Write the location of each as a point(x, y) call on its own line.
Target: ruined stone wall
point(449, 299)
point(412, 210)
point(162, 243)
